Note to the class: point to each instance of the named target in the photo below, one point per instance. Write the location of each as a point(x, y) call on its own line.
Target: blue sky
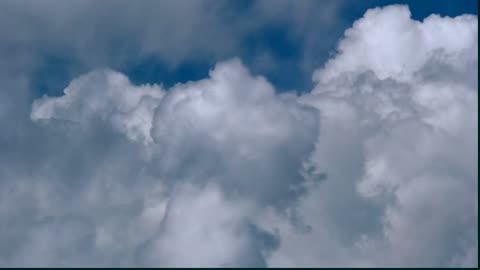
point(56, 70)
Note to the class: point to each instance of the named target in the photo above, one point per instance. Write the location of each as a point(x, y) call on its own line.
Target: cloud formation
point(208, 176)
point(376, 166)
point(398, 134)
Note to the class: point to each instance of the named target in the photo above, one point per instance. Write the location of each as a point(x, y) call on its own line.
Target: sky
point(286, 133)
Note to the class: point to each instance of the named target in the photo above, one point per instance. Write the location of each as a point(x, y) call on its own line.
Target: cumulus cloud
point(376, 166)
point(398, 107)
point(108, 96)
point(197, 125)
point(151, 177)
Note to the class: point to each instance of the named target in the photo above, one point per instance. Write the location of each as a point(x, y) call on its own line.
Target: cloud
point(118, 31)
point(108, 96)
point(398, 139)
point(226, 171)
point(132, 169)
point(168, 37)
point(387, 51)
point(196, 125)
point(203, 228)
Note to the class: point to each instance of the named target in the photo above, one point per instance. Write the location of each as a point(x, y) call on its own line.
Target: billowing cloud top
point(375, 166)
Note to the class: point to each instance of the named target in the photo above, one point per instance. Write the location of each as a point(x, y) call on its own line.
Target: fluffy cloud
point(137, 175)
point(226, 172)
point(398, 106)
point(107, 96)
point(194, 131)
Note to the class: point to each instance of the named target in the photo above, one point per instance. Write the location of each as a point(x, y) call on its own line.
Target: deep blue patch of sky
point(286, 73)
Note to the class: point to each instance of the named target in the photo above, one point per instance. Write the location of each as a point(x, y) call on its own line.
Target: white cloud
point(106, 95)
point(142, 168)
point(202, 228)
point(399, 47)
point(224, 171)
point(398, 140)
